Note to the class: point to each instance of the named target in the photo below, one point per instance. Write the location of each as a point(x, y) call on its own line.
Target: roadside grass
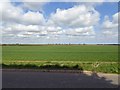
point(82, 66)
point(45, 66)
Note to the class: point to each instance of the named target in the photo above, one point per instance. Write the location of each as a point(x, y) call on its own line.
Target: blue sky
point(107, 8)
point(37, 22)
point(52, 6)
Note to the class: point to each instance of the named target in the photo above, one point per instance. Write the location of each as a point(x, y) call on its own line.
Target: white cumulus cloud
point(34, 5)
point(33, 18)
point(110, 27)
point(14, 14)
point(77, 16)
point(78, 23)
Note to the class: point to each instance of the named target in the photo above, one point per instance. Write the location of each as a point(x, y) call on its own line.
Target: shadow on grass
point(46, 66)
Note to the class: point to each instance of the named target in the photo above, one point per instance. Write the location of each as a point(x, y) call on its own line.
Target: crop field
point(102, 58)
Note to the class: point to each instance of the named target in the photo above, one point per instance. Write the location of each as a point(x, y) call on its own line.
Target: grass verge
point(94, 66)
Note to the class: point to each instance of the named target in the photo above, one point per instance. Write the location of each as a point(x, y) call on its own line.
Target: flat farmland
point(89, 57)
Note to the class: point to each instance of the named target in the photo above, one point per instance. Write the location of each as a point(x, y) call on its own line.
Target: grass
point(45, 66)
point(101, 58)
point(60, 53)
point(102, 67)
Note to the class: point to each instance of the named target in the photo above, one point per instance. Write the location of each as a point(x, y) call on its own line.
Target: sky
point(59, 22)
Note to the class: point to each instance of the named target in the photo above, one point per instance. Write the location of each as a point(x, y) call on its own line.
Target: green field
point(86, 56)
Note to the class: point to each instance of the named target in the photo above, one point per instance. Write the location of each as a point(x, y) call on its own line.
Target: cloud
point(110, 27)
point(75, 24)
point(17, 29)
point(14, 14)
point(86, 31)
point(34, 5)
point(115, 17)
point(70, 0)
point(107, 24)
point(26, 25)
point(33, 18)
point(21, 30)
point(9, 13)
point(76, 21)
point(77, 16)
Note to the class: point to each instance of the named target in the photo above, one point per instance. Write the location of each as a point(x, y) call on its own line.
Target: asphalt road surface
point(32, 79)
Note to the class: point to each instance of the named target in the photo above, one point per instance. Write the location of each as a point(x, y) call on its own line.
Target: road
point(32, 79)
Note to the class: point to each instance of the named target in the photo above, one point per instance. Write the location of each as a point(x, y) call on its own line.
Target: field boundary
point(79, 66)
point(60, 61)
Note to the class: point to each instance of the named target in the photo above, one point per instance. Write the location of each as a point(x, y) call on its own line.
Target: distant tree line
point(17, 44)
